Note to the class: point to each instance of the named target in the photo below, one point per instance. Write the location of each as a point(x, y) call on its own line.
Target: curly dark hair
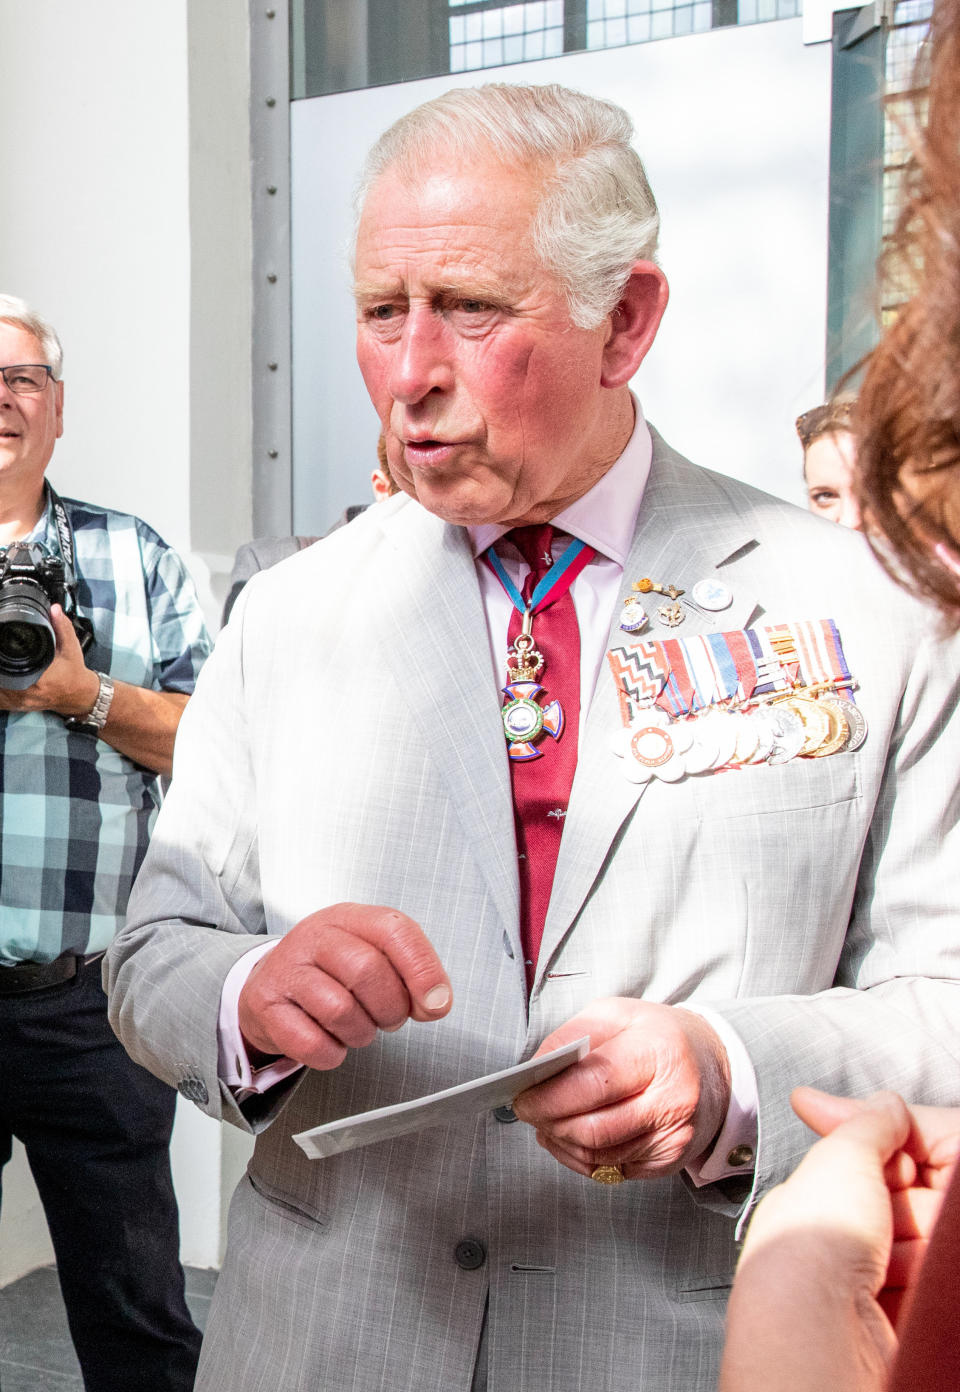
point(909, 406)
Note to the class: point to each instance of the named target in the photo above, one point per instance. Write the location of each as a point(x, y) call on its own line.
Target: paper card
point(439, 1108)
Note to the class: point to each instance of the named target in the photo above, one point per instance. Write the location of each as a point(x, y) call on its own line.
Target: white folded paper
point(440, 1108)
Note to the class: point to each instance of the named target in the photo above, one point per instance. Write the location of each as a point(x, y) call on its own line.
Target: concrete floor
point(36, 1354)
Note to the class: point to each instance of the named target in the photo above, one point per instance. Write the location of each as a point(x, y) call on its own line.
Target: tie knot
point(535, 544)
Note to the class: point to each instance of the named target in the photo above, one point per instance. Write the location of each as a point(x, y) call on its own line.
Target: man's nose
point(421, 363)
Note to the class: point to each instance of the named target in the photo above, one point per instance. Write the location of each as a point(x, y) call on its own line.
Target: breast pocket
point(776, 790)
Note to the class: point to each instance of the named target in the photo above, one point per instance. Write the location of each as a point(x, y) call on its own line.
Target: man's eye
point(471, 308)
point(381, 311)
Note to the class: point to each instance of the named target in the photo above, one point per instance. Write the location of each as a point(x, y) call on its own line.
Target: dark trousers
point(96, 1129)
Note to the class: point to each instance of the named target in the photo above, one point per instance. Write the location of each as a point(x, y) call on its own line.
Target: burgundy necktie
point(541, 787)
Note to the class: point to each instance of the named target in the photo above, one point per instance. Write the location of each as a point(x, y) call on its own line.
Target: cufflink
point(740, 1155)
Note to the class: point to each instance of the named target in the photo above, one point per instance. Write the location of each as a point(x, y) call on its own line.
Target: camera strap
point(81, 624)
point(64, 537)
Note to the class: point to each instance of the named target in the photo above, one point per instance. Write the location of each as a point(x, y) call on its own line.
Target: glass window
point(339, 44)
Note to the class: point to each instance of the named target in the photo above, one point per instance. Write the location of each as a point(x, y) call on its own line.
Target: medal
point(813, 718)
point(856, 724)
point(788, 734)
point(655, 747)
point(524, 720)
point(733, 700)
point(839, 732)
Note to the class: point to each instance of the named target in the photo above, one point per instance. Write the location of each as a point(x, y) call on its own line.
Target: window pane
point(338, 45)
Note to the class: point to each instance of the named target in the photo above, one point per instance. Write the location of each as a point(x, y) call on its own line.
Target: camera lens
point(22, 643)
point(27, 639)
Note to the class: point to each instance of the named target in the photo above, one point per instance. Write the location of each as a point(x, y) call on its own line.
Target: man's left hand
point(650, 1096)
point(67, 686)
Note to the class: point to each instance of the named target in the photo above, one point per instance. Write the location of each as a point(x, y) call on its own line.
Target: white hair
point(15, 311)
point(597, 215)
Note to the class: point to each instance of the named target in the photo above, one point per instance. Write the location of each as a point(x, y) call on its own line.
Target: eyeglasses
point(24, 378)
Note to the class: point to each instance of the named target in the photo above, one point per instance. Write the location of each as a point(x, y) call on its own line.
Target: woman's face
point(828, 467)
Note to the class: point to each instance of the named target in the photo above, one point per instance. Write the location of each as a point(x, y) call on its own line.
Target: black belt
point(37, 976)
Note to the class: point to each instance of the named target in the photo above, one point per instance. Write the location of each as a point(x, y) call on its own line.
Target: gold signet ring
point(608, 1174)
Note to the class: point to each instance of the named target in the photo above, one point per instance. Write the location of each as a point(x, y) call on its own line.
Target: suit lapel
point(687, 530)
point(429, 628)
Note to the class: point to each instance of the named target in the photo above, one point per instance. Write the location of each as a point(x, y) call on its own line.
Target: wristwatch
point(93, 722)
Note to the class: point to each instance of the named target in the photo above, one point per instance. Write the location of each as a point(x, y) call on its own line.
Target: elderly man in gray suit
point(570, 738)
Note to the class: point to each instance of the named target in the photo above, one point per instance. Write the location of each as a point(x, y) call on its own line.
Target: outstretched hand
point(832, 1254)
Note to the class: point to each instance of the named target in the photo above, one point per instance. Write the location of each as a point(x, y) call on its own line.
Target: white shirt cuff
point(234, 1067)
point(734, 1152)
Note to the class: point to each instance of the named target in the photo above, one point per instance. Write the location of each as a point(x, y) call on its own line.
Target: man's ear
point(58, 389)
point(633, 324)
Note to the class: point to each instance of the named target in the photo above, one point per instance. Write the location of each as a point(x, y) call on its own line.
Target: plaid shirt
point(75, 815)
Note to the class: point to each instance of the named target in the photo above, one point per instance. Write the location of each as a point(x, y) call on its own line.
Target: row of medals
point(808, 722)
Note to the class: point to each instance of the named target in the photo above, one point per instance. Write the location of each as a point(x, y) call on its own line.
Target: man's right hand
point(336, 978)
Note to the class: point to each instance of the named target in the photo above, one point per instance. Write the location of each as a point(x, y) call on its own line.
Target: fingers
point(656, 1151)
point(609, 1073)
point(935, 1142)
point(822, 1111)
point(338, 977)
point(930, 1149)
point(351, 980)
point(915, 1213)
point(647, 1096)
point(881, 1121)
point(284, 1029)
point(68, 644)
point(410, 952)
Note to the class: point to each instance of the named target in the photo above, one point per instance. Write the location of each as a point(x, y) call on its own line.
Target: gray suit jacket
point(345, 743)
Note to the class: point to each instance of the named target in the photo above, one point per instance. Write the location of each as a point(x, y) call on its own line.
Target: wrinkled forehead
point(478, 172)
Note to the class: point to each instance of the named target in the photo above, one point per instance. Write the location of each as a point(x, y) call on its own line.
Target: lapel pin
point(633, 616)
point(713, 595)
point(670, 615)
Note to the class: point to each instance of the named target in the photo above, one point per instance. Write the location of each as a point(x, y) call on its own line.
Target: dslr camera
point(31, 581)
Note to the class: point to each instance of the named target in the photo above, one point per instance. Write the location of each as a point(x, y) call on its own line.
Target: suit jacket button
point(194, 1090)
point(505, 1114)
point(470, 1253)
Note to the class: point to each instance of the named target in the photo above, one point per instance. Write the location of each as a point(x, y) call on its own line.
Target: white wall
point(125, 221)
point(733, 127)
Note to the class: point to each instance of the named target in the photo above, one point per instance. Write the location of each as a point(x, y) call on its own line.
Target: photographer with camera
point(101, 639)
